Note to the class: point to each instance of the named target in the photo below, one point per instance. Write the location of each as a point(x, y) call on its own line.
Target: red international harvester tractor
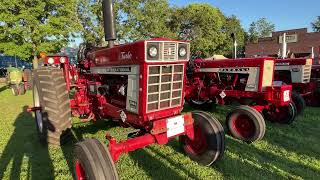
point(140, 85)
point(298, 72)
point(250, 82)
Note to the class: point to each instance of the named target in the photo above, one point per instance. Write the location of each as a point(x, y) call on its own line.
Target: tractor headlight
point(153, 51)
point(62, 60)
point(50, 60)
point(182, 51)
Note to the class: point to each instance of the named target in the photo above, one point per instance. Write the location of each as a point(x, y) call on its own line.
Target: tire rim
point(38, 113)
point(199, 144)
point(243, 125)
point(80, 173)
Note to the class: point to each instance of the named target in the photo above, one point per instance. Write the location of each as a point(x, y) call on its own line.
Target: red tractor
point(297, 72)
point(139, 85)
point(250, 82)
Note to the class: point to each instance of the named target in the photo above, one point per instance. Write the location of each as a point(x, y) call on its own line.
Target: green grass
point(286, 152)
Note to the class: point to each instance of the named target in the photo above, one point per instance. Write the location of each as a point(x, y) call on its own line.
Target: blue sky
point(285, 14)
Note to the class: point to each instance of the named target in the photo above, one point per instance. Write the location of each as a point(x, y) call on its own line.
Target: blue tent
point(6, 61)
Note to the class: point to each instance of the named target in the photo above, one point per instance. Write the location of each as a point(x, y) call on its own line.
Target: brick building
point(299, 42)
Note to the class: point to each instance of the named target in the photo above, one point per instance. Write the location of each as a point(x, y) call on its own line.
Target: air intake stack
point(109, 22)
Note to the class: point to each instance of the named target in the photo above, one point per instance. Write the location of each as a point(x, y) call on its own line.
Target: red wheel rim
point(198, 144)
point(79, 171)
point(243, 125)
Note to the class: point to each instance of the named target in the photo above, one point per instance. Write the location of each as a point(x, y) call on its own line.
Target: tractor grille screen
point(169, 51)
point(164, 86)
point(306, 73)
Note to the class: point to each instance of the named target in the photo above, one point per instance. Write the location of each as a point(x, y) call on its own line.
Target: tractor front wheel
point(246, 123)
point(209, 142)
point(93, 161)
point(15, 89)
point(283, 114)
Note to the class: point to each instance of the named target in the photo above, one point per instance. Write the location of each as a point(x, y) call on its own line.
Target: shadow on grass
point(78, 130)
point(23, 144)
point(3, 88)
point(274, 163)
point(152, 166)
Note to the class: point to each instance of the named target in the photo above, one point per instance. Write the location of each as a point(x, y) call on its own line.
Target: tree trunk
point(35, 62)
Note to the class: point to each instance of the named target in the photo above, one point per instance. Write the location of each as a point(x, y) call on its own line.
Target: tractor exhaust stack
point(109, 22)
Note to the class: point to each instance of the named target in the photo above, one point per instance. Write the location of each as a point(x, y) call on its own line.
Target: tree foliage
point(202, 25)
point(233, 25)
point(316, 24)
point(28, 27)
point(136, 19)
point(259, 29)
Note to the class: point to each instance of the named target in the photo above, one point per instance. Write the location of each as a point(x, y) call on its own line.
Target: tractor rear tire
point(284, 115)
point(93, 161)
point(15, 89)
point(202, 105)
point(246, 123)
point(209, 141)
point(50, 93)
point(27, 77)
point(22, 89)
point(299, 102)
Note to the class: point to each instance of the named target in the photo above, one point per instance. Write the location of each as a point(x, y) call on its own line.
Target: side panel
point(132, 104)
point(268, 71)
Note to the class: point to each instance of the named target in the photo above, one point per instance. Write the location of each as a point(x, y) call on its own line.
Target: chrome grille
point(306, 73)
point(164, 86)
point(169, 51)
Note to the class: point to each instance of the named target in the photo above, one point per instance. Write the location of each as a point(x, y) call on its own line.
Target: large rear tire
point(246, 123)
point(284, 114)
point(201, 104)
point(22, 89)
point(27, 78)
point(93, 161)
point(208, 144)
point(299, 102)
point(50, 93)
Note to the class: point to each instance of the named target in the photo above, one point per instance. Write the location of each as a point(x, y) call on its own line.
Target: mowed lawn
point(286, 152)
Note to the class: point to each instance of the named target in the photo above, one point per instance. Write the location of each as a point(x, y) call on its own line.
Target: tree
point(202, 25)
point(253, 33)
point(233, 25)
point(28, 27)
point(261, 28)
point(136, 19)
point(316, 25)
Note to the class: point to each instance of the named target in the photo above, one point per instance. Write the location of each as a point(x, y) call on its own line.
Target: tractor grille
point(164, 86)
point(306, 73)
point(169, 51)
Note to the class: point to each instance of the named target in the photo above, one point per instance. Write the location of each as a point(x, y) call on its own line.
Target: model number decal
point(118, 69)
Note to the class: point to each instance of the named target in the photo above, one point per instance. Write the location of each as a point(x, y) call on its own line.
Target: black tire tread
point(98, 158)
point(56, 106)
point(258, 116)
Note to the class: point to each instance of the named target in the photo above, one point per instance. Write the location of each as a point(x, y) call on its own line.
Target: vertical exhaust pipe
point(284, 46)
point(109, 22)
point(234, 41)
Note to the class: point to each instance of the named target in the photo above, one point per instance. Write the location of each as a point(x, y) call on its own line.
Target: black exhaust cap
point(109, 22)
